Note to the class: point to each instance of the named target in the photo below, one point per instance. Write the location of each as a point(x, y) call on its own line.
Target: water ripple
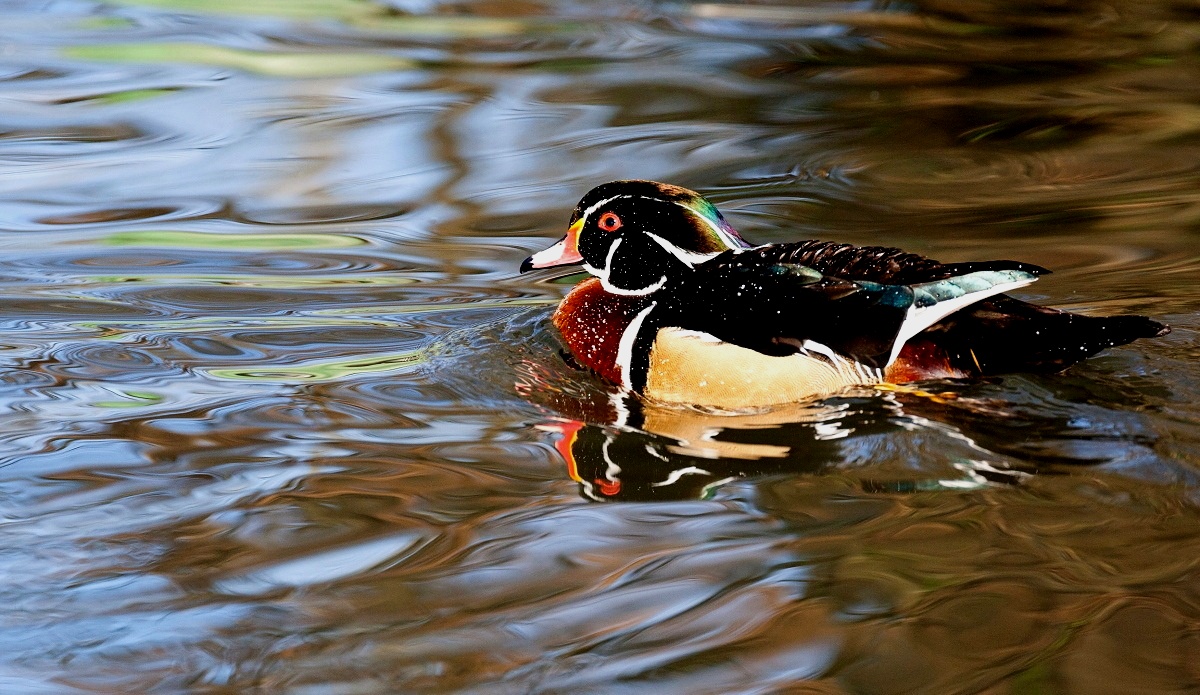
point(282, 415)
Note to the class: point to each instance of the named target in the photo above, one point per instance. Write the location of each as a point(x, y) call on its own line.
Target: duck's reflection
point(666, 454)
point(900, 440)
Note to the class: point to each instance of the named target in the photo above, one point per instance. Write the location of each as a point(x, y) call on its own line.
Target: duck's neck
point(592, 322)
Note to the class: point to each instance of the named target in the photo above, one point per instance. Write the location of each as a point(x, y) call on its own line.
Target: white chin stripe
point(604, 272)
point(641, 292)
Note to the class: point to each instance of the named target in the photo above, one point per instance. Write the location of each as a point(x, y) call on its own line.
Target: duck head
point(633, 235)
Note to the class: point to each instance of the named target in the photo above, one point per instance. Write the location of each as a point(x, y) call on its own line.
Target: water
point(282, 415)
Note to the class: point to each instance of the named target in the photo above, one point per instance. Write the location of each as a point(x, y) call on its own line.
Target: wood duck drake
point(683, 310)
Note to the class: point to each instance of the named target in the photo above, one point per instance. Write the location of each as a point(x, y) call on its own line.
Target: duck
point(680, 309)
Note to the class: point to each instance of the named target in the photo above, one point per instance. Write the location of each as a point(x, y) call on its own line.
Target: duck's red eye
point(609, 222)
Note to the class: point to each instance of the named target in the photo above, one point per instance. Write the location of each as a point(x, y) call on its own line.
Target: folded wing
point(992, 336)
point(779, 307)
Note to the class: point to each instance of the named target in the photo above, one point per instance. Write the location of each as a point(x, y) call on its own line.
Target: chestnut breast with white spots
point(592, 322)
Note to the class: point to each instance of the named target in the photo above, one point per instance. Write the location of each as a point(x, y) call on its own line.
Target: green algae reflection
point(270, 281)
point(284, 9)
point(293, 65)
point(131, 399)
point(130, 95)
point(249, 242)
point(325, 370)
point(370, 16)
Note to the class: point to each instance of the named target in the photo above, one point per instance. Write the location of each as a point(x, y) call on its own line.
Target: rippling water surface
point(281, 416)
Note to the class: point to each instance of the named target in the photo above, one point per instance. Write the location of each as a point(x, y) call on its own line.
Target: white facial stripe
point(602, 203)
point(717, 229)
point(625, 347)
point(603, 273)
point(606, 201)
point(731, 241)
point(688, 258)
point(609, 287)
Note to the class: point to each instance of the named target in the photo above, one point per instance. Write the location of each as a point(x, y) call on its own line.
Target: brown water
point(280, 411)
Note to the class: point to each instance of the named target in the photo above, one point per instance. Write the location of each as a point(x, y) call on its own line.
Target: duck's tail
point(1002, 334)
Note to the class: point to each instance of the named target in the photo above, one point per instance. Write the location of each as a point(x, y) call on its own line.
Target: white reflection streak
point(970, 467)
point(679, 473)
point(320, 567)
